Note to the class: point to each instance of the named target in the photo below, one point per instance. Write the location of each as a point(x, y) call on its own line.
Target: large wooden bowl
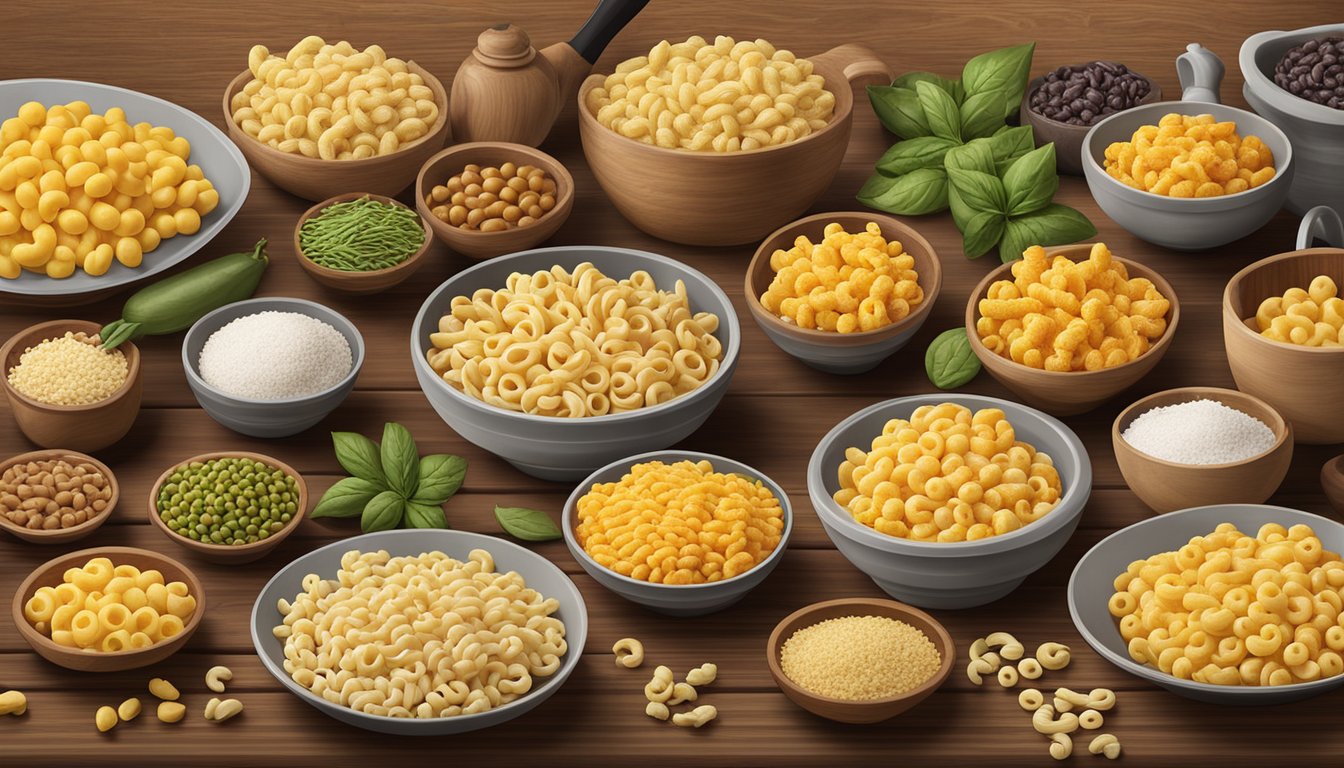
point(473, 243)
point(711, 198)
point(50, 573)
point(1074, 392)
point(1166, 486)
point(228, 553)
point(83, 428)
point(315, 179)
point(73, 533)
point(360, 283)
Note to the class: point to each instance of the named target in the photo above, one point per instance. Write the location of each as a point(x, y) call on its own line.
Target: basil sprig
point(950, 361)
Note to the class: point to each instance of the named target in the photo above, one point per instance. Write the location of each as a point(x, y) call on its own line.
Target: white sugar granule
point(274, 356)
point(1199, 432)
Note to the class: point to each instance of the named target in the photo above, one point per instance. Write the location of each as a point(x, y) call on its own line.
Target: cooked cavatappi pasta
point(103, 607)
point(948, 474)
point(420, 636)
point(1234, 609)
point(575, 344)
point(727, 96)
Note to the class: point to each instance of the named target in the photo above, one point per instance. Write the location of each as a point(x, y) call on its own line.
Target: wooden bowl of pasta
point(1066, 393)
point(52, 573)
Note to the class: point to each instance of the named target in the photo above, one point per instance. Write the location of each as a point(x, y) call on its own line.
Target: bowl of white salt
point(1195, 446)
point(272, 367)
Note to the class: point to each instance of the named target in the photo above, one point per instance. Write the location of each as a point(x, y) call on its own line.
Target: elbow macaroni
point(1190, 156)
point(1309, 318)
point(107, 608)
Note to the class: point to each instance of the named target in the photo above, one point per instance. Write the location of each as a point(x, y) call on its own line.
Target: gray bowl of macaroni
point(368, 697)
point(582, 365)
point(1092, 587)
point(951, 574)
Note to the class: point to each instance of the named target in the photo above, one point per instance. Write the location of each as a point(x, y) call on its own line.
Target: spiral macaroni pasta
point(575, 344)
point(103, 607)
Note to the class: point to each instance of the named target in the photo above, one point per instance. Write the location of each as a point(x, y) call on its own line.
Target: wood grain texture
point(776, 410)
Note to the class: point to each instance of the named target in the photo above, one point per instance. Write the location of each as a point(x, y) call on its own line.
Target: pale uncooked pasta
point(569, 345)
point(421, 636)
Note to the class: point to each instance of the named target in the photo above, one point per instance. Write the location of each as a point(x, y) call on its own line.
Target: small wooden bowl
point(83, 428)
point(858, 711)
point(228, 553)
point(62, 535)
point(50, 573)
point(1074, 392)
point(1068, 138)
point(316, 179)
point(360, 283)
point(1166, 486)
point(828, 350)
point(1332, 482)
point(475, 244)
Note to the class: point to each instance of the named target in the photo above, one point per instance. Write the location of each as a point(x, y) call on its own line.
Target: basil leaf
point(440, 477)
point(383, 512)
point(951, 87)
point(978, 190)
point(899, 110)
point(346, 498)
point(1004, 71)
point(1031, 181)
point(913, 154)
point(358, 455)
point(401, 460)
point(950, 360)
point(975, 155)
point(1053, 225)
point(981, 233)
point(527, 524)
point(981, 115)
point(1009, 143)
point(420, 515)
point(961, 212)
point(940, 110)
point(914, 194)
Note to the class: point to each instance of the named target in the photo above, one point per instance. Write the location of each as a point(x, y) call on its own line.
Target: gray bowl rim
point(370, 541)
point(837, 517)
point(1256, 81)
point(301, 306)
point(194, 243)
point(1155, 675)
point(726, 364)
point(571, 503)
point(1282, 167)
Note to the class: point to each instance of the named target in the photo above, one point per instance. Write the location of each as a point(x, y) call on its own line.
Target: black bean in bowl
point(1314, 71)
point(1084, 94)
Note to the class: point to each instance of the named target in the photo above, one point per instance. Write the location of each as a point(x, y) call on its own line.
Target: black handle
point(609, 18)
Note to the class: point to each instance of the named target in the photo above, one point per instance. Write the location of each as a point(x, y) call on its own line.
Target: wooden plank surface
point(775, 412)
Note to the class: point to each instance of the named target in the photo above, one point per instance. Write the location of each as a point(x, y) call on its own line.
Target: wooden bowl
point(1302, 383)
point(1068, 138)
point(50, 573)
point(1166, 486)
point(711, 198)
point(62, 535)
point(1332, 482)
point(360, 283)
point(228, 553)
point(828, 350)
point(1074, 392)
point(475, 244)
point(858, 711)
point(316, 179)
point(85, 428)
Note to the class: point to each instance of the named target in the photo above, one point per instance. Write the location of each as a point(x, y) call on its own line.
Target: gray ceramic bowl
point(268, 418)
point(1316, 131)
point(961, 574)
point(569, 449)
point(1091, 586)
point(539, 572)
point(1188, 224)
point(674, 599)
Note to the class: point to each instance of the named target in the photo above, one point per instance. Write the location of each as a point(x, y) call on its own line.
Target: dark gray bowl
point(1092, 585)
point(268, 418)
point(676, 599)
point(540, 573)
point(569, 449)
point(954, 574)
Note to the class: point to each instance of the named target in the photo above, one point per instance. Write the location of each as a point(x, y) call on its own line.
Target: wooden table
point(772, 417)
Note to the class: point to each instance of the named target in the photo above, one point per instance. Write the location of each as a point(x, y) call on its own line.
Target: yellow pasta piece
point(1190, 156)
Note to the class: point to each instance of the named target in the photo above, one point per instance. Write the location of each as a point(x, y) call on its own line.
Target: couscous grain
point(69, 370)
point(859, 658)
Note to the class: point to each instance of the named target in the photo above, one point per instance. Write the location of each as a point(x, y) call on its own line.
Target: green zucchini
point(174, 303)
